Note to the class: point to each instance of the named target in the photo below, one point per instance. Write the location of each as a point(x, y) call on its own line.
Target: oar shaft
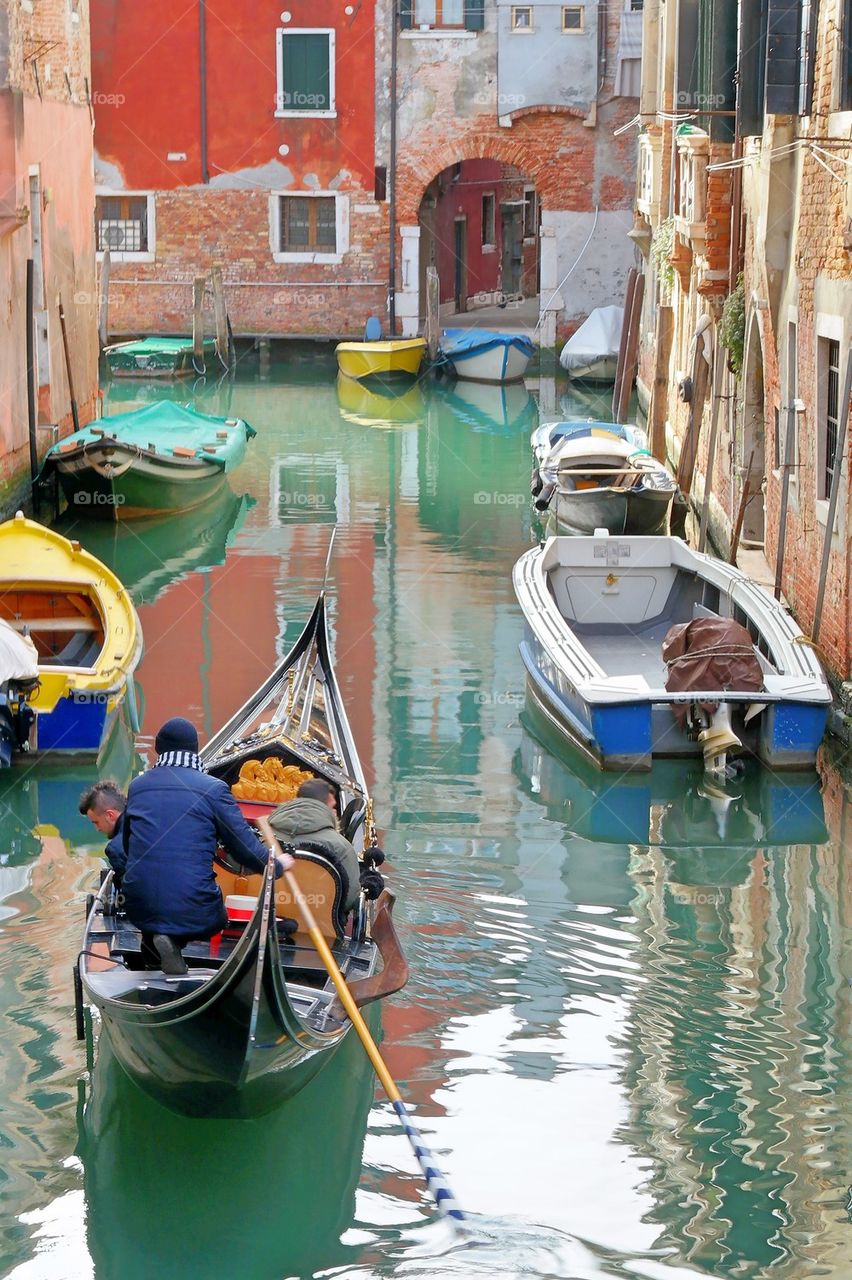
point(438, 1189)
point(346, 999)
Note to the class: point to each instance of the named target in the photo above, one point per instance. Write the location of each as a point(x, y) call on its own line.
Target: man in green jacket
point(310, 821)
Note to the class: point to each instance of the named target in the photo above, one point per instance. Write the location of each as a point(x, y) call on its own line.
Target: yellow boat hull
point(84, 626)
point(381, 359)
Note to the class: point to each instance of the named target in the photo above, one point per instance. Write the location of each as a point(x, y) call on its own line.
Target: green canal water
point(627, 1030)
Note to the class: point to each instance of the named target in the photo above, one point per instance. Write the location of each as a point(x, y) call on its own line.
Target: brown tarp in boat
point(710, 653)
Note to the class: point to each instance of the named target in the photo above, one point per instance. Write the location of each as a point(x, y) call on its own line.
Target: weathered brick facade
point(46, 205)
point(792, 186)
point(211, 202)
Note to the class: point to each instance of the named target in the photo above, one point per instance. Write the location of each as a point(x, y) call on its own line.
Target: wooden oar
point(435, 1181)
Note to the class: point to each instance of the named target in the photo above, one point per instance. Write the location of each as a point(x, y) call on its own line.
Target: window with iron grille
point(308, 224)
point(121, 224)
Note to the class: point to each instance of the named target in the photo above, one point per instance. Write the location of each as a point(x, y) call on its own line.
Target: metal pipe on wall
point(392, 167)
point(202, 86)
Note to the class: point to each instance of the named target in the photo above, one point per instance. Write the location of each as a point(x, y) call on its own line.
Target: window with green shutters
point(466, 15)
point(305, 71)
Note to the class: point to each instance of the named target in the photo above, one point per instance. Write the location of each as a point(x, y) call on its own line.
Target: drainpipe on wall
point(602, 43)
point(392, 174)
point(202, 84)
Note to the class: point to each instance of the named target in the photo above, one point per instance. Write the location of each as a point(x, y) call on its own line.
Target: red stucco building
point(244, 136)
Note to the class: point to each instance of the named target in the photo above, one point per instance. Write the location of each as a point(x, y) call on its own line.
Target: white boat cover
point(18, 656)
point(597, 338)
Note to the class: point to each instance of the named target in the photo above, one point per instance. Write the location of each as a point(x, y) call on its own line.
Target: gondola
point(256, 1016)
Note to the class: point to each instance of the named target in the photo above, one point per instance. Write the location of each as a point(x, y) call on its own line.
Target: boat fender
point(542, 502)
point(536, 482)
point(374, 857)
point(372, 884)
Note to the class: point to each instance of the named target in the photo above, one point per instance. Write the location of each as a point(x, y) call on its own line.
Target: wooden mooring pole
point(789, 447)
point(74, 414)
point(221, 313)
point(199, 285)
point(29, 309)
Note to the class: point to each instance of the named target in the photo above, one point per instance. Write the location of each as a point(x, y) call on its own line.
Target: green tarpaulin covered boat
point(162, 458)
point(159, 358)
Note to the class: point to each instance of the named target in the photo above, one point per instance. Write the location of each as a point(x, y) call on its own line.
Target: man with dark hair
point(309, 822)
point(103, 804)
point(176, 817)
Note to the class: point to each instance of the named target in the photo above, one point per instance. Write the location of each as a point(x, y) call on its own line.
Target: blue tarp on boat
point(461, 342)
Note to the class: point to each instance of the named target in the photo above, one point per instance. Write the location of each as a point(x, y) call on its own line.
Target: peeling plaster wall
point(546, 66)
point(50, 132)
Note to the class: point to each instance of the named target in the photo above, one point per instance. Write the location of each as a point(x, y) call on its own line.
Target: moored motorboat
point(591, 354)
point(151, 461)
point(255, 1017)
point(86, 634)
point(160, 358)
point(485, 355)
point(384, 358)
point(600, 476)
point(637, 648)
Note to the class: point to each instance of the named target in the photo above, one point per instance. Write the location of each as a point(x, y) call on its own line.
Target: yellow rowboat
point(85, 630)
point(380, 359)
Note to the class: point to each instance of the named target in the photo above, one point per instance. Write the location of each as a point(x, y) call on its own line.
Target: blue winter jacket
point(175, 818)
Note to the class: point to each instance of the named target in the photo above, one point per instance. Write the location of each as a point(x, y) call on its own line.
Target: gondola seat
point(318, 879)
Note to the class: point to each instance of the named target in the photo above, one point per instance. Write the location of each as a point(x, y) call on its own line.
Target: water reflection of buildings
point(736, 1035)
point(737, 1047)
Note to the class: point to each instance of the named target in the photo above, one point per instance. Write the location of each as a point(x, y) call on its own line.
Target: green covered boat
point(165, 457)
point(159, 358)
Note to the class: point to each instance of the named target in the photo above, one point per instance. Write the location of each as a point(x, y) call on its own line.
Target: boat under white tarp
point(592, 352)
point(18, 656)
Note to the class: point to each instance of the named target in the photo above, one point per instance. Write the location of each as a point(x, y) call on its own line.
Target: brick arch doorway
point(417, 172)
point(479, 227)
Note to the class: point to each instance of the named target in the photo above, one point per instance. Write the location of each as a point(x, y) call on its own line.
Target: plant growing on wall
point(662, 246)
point(732, 327)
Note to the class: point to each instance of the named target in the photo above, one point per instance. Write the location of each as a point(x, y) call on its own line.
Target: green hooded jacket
point(314, 822)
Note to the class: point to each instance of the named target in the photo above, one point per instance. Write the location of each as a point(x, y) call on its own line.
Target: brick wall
point(198, 229)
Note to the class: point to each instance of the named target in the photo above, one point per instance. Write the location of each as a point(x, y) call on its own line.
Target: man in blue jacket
point(175, 818)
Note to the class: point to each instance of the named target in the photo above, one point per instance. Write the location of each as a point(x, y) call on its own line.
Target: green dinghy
point(163, 458)
point(159, 358)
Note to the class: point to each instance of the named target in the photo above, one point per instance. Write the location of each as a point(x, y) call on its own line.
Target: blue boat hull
point(78, 725)
point(630, 735)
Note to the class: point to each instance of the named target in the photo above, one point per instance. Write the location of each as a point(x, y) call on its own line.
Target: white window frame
point(341, 227)
point(573, 31)
point(280, 112)
point(115, 255)
point(828, 328)
point(522, 31)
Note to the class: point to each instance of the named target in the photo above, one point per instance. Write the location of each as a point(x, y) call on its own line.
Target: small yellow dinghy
point(85, 630)
point(382, 359)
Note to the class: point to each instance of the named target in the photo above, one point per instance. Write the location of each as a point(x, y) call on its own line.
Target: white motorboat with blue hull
point(597, 610)
point(484, 355)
